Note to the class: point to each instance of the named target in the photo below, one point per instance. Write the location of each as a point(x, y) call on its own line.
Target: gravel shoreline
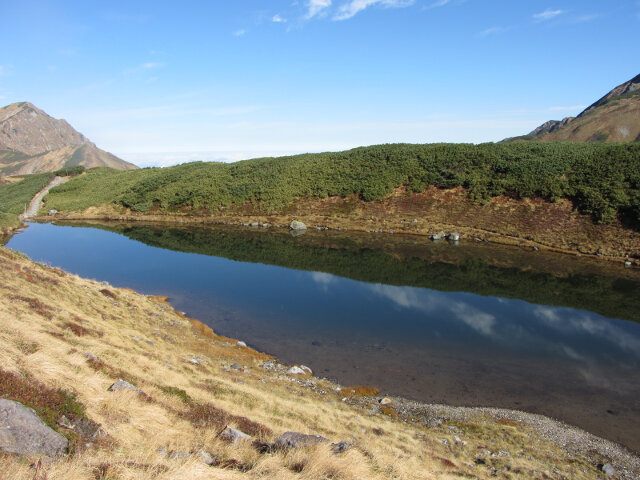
point(572, 439)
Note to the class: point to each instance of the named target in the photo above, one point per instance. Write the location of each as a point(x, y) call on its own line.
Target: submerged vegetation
point(603, 180)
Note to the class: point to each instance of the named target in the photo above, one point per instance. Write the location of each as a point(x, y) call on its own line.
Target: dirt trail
point(36, 203)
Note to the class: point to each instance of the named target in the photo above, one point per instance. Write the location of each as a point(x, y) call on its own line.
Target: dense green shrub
point(69, 171)
point(602, 179)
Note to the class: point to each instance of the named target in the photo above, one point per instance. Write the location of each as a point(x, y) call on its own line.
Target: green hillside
point(14, 197)
point(602, 179)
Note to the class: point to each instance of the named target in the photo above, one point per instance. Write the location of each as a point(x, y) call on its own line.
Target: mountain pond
point(470, 323)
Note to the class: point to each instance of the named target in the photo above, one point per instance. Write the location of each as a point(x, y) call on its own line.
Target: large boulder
point(290, 440)
point(23, 433)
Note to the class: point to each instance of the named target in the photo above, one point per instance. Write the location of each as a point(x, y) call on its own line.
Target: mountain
point(613, 118)
point(33, 142)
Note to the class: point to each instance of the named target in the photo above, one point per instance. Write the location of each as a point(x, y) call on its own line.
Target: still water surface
point(463, 325)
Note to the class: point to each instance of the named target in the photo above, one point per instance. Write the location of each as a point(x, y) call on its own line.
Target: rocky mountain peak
point(27, 129)
point(32, 141)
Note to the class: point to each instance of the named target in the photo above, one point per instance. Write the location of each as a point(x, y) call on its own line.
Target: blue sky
point(159, 83)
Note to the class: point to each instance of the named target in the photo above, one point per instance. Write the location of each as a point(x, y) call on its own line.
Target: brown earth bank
point(531, 222)
point(64, 340)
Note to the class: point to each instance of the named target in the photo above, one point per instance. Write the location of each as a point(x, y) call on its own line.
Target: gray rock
point(174, 455)
point(65, 422)
point(23, 433)
point(90, 356)
point(608, 469)
point(206, 457)
point(53, 211)
point(241, 344)
point(236, 366)
point(437, 236)
point(296, 225)
point(296, 371)
point(232, 435)
point(385, 401)
point(340, 447)
point(290, 440)
point(122, 385)
point(255, 224)
point(453, 236)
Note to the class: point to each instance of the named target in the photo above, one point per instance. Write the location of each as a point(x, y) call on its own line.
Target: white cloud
point(315, 7)
point(352, 7)
point(439, 3)
point(492, 31)
point(150, 65)
point(585, 18)
point(239, 33)
point(278, 19)
point(548, 14)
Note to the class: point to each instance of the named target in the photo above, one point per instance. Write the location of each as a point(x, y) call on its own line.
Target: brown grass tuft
point(36, 305)
point(108, 293)
point(359, 391)
point(206, 415)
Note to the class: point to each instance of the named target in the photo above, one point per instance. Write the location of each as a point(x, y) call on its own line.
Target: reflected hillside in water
point(542, 278)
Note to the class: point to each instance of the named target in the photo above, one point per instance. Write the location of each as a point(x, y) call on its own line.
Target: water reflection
point(470, 325)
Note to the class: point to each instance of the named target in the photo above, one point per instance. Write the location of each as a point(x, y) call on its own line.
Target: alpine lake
point(462, 323)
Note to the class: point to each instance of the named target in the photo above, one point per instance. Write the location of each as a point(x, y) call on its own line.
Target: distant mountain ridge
point(613, 118)
point(33, 142)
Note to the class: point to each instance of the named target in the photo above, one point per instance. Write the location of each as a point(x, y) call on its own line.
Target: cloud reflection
point(428, 301)
point(586, 324)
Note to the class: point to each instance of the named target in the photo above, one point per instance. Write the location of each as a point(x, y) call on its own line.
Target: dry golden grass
point(50, 320)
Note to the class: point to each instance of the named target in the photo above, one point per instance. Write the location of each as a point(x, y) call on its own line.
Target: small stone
point(175, 455)
point(608, 469)
point(437, 236)
point(295, 370)
point(196, 360)
point(241, 344)
point(123, 385)
point(385, 401)
point(232, 435)
point(340, 447)
point(627, 263)
point(236, 366)
point(453, 236)
point(296, 225)
point(90, 356)
point(255, 224)
point(65, 422)
point(306, 369)
point(458, 440)
point(206, 457)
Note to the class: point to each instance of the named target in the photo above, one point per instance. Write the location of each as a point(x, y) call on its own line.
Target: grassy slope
point(602, 180)
point(50, 319)
point(14, 197)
